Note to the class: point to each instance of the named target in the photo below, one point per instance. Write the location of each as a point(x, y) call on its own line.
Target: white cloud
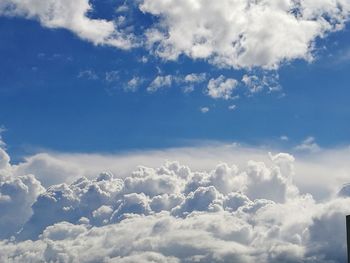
point(221, 87)
point(166, 81)
point(47, 169)
point(133, 84)
point(195, 78)
point(112, 76)
point(256, 84)
point(242, 34)
point(229, 33)
point(204, 109)
point(2, 143)
point(160, 82)
point(232, 107)
point(17, 195)
point(188, 89)
point(246, 213)
point(70, 15)
point(190, 80)
point(176, 214)
point(253, 83)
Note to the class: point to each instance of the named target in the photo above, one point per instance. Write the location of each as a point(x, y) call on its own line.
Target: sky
point(179, 116)
point(60, 91)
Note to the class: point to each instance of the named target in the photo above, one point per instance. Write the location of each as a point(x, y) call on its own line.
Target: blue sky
point(61, 92)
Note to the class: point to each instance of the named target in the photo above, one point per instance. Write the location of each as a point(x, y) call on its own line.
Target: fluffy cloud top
point(228, 33)
point(171, 214)
point(71, 15)
point(242, 33)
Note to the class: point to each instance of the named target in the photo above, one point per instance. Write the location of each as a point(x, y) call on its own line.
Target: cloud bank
point(172, 213)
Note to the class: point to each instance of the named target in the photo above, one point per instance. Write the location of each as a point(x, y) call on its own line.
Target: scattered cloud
point(88, 74)
point(232, 107)
point(221, 87)
point(195, 78)
point(143, 59)
point(204, 109)
point(255, 84)
point(188, 89)
point(160, 82)
point(133, 84)
point(112, 76)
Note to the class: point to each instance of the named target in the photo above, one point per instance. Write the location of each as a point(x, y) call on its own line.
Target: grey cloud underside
point(227, 33)
point(171, 214)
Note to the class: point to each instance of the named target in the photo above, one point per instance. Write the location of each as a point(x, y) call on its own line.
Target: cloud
point(47, 169)
point(204, 109)
point(251, 213)
point(312, 169)
point(238, 34)
point(256, 84)
point(88, 74)
point(160, 82)
point(221, 87)
point(2, 143)
point(166, 81)
point(133, 84)
point(242, 34)
point(112, 76)
point(309, 144)
point(17, 195)
point(232, 107)
point(195, 78)
point(70, 15)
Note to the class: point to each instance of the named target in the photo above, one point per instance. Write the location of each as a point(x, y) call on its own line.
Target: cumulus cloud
point(17, 195)
point(252, 213)
point(221, 87)
point(242, 34)
point(70, 15)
